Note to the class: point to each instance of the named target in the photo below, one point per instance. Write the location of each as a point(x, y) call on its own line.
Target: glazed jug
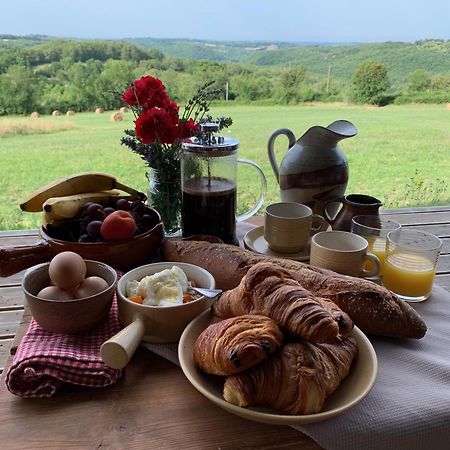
point(352, 205)
point(209, 190)
point(314, 169)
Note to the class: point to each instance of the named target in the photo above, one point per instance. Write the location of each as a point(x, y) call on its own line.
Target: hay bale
point(70, 113)
point(448, 106)
point(34, 115)
point(56, 113)
point(99, 111)
point(124, 110)
point(117, 117)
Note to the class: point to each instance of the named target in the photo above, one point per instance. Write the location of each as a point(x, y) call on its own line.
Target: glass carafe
point(208, 182)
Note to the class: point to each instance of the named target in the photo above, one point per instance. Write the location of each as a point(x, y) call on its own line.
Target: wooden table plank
point(426, 218)
point(415, 209)
point(443, 265)
point(9, 322)
point(117, 418)
point(5, 345)
point(11, 297)
point(439, 230)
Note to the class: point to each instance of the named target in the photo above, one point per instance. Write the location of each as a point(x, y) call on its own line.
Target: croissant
point(295, 380)
point(271, 291)
point(235, 344)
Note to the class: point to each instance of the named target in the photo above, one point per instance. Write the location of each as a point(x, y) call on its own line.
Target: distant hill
point(400, 58)
point(212, 50)
point(12, 41)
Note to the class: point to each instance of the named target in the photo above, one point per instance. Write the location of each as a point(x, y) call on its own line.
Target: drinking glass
point(410, 266)
point(374, 230)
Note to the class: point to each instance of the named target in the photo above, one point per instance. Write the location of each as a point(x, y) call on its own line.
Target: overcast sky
point(269, 20)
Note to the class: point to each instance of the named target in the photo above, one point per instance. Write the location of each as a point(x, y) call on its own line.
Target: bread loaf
point(373, 308)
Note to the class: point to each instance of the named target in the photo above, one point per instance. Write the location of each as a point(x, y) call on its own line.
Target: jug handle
point(260, 201)
point(325, 212)
point(270, 150)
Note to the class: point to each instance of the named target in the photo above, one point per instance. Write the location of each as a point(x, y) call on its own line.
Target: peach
point(118, 226)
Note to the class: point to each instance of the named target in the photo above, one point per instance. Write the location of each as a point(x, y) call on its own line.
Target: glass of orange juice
point(375, 230)
point(410, 265)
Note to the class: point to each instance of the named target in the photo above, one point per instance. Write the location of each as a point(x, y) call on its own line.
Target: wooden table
point(154, 405)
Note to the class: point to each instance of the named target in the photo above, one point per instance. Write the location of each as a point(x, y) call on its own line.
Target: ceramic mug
point(343, 252)
point(288, 226)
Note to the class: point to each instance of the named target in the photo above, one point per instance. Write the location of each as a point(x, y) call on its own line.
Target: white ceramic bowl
point(156, 324)
point(350, 392)
point(163, 323)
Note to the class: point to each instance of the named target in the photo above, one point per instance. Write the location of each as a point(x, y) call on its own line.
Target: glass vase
point(165, 197)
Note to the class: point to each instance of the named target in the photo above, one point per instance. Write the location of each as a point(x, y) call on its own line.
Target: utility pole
point(328, 77)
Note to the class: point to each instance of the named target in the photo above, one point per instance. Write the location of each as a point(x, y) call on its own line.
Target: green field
point(401, 153)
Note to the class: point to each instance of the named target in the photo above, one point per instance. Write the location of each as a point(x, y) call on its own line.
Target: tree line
point(85, 75)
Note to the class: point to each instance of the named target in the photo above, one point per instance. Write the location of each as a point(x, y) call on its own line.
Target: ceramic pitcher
point(314, 169)
point(352, 205)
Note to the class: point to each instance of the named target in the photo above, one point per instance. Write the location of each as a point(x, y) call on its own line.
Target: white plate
point(350, 392)
point(254, 240)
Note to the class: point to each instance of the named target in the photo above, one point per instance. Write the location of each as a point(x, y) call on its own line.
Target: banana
point(76, 184)
point(49, 221)
point(70, 205)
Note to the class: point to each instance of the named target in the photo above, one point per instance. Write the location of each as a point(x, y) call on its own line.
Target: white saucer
point(254, 240)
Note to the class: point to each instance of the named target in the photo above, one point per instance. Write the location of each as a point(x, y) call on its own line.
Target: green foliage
point(294, 85)
point(82, 51)
point(419, 81)
point(370, 83)
point(19, 90)
point(83, 75)
point(419, 190)
point(251, 88)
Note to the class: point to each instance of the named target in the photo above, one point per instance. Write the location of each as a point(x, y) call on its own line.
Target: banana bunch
point(86, 182)
point(58, 208)
point(65, 198)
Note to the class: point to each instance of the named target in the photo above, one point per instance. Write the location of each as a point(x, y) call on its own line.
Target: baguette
point(373, 308)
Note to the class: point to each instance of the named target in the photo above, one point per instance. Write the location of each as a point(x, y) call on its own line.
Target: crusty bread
point(373, 308)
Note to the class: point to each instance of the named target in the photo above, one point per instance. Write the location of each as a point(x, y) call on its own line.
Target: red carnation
point(146, 92)
point(156, 124)
point(188, 128)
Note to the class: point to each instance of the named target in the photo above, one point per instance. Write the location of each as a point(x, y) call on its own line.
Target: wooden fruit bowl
point(122, 255)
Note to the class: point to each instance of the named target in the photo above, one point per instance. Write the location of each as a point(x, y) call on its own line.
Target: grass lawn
point(401, 153)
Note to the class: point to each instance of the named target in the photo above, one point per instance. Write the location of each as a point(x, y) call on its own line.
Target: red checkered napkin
point(46, 361)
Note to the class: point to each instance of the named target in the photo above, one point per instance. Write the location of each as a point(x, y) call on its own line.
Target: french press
point(208, 182)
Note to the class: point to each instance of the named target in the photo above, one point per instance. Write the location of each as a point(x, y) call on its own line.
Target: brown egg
point(67, 269)
point(90, 286)
point(54, 293)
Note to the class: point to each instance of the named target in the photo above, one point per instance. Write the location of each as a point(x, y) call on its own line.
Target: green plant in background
point(370, 82)
point(420, 191)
